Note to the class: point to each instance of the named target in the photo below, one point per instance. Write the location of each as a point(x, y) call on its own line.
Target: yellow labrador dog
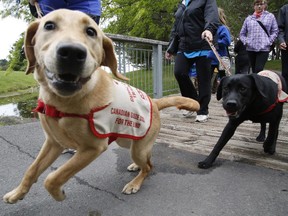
point(81, 106)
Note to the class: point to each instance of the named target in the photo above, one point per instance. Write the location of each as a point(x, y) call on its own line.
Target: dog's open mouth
point(232, 114)
point(66, 84)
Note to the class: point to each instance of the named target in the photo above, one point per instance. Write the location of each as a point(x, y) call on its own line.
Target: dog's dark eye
point(242, 89)
point(91, 32)
point(49, 26)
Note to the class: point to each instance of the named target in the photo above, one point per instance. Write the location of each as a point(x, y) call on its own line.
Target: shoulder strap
point(263, 27)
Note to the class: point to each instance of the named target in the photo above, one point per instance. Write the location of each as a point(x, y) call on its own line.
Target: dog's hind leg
point(141, 154)
point(48, 154)
point(142, 161)
point(261, 136)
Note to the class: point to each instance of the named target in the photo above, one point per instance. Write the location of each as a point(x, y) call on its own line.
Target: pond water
point(18, 106)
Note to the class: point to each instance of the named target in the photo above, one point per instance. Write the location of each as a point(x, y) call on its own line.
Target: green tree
point(17, 10)
point(16, 58)
point(144, 18)
point(3, 64)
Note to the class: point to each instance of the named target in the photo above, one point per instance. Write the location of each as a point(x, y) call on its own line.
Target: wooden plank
point(186, 134)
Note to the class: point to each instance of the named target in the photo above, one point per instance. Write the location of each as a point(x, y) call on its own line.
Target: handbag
point(174, 43)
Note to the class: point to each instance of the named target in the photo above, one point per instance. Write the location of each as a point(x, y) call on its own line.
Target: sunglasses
point(259, 4)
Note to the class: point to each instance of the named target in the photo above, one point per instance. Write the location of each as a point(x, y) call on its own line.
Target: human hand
point(207, 34)
point(283, 46)
point(32, 2)
point(168, 55)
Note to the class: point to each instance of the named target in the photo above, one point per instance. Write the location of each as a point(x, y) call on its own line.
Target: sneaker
point(201, 118)
point(189, 114)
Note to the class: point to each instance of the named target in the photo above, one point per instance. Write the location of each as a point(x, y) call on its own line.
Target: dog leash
point(227, 71)
point(38, 9)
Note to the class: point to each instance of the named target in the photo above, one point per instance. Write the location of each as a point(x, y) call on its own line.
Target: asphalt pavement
point(176, 187)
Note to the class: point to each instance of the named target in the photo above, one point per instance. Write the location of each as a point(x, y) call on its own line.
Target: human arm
point(178, 18)
point(211, 19)
point(281, 20)
point(274, 30)
point(243, 32)
point(224, 36)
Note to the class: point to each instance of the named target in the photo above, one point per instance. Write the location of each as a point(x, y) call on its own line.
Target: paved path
point(233, 187)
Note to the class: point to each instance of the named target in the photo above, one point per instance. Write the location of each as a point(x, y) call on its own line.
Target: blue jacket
point(223, 38)
point(90, 7)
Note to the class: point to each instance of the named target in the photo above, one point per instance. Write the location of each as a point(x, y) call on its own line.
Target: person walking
point(283, 39)
point(91, 7)
point(196, 21)
point(223, 38)
point(258, 33)
point(242, 64)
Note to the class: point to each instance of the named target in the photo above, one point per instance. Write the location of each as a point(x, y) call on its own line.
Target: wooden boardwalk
point(183, 133)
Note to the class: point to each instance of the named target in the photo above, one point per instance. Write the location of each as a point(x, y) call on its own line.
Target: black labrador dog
point(252, 97)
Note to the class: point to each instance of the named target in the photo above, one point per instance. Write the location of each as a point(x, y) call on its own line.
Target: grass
point(273, 65)
point(142, 79)
point(15, 82)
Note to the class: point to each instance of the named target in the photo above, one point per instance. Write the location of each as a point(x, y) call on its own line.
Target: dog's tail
point(177, 101)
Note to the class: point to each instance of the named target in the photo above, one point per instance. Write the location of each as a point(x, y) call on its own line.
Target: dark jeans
point(284, 60)
point(257, 60)
point(187, 89)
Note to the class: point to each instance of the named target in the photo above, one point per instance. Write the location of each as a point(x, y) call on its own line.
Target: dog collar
point(51, 111)
point(270, 108)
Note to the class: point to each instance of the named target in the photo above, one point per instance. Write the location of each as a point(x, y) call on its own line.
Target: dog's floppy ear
point(219, 89)
point(29, 43)
point(263, 89)
point(109, 58)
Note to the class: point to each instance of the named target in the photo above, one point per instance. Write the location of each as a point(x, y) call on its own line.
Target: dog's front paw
point(13, 196)
point(204, 165)
point(133, 167)
point(131, 188)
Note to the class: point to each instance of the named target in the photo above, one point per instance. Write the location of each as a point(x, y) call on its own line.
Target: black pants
point(187, 89)
point(257, 60)
point(284, 60)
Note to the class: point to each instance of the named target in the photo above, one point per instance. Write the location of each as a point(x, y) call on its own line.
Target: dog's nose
point(231, 103)
point(70, 57)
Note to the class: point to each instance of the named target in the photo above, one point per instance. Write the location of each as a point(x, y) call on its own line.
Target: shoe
point(201, 118)
point(189, 114)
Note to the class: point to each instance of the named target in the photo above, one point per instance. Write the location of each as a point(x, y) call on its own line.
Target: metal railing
point(143, 61)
